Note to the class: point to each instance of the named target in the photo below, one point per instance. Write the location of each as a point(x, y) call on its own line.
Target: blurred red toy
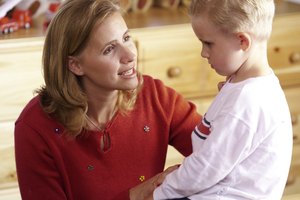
point(23, 18)
point(8, 25)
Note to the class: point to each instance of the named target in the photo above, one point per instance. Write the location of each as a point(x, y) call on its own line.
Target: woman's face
point(108, 63)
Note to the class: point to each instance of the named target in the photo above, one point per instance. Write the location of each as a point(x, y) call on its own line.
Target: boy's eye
point(207, 43)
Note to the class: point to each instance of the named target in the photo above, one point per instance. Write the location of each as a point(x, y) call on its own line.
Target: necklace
point(100, 127)
point(105, 139)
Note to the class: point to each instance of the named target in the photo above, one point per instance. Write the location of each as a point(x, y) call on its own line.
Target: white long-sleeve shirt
point(241, 150)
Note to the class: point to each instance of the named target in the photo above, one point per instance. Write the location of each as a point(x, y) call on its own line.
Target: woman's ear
point(74, 66)
point(245, 40)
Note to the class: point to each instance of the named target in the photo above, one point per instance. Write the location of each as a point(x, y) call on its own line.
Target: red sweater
point(51, 166)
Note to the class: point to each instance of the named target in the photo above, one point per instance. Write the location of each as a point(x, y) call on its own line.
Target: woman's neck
point(101, 108)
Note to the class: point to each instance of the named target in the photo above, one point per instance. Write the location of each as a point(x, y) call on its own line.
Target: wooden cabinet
point(293, 97)
point(284, 57)
point(284, 49)
point(170, 53)
point(20, 75)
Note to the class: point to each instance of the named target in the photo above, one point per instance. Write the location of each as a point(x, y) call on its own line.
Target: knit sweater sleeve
point(183, 121)
point(180, 113)
point(37, 174)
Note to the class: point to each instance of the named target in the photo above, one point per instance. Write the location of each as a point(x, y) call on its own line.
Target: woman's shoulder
point(151, 80)
point(157, 93)
point(157, 86)
point(34, 117)
point(32, 111)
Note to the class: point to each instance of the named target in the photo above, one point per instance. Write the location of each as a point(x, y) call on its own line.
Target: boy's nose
point(204, 53)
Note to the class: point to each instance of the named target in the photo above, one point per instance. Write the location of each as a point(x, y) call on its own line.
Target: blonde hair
point(62, 96)
point(252, 16)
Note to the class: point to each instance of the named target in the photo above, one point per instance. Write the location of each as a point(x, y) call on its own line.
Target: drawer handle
point(295, 57)
point(290, 180)
point(174, 72)
point(294, 118)
point(294, 122)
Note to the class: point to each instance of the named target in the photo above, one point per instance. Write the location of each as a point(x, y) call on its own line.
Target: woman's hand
point(144, 191)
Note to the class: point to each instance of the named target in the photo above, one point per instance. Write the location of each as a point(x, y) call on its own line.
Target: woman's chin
point(131, 84)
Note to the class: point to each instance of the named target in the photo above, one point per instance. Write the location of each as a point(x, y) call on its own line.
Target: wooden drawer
point(291, 197)
point(20, 74)
point(293, 183)
point(7, 166)
point(295, 165)
point(284, 48)
point(172, 54)
point(10, 192)
point(293, 98)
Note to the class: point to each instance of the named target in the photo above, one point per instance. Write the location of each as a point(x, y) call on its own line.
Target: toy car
point(23, 18)
point(8, 25)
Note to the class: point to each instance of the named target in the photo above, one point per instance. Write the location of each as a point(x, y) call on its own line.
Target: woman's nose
point(128, 54)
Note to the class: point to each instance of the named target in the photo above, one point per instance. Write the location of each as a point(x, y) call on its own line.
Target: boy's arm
point(206, 167)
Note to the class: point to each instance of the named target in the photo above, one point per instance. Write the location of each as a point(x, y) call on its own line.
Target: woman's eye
point(127, 38)
point(108, 50)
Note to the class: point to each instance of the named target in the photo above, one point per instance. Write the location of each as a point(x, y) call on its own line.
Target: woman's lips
point(128, 73)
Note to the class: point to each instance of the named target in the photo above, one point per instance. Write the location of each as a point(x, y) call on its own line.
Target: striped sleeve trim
point(202, 130)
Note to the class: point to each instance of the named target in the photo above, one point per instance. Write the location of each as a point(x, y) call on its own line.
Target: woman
point(97, 127)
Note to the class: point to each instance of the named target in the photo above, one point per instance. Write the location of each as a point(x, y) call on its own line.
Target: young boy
point(242, 148)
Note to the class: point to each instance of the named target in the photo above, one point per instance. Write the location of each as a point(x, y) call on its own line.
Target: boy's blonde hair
point(252, 16)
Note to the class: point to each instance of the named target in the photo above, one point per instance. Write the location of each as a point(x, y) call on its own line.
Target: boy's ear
point(74, 66)
point(245, 40)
